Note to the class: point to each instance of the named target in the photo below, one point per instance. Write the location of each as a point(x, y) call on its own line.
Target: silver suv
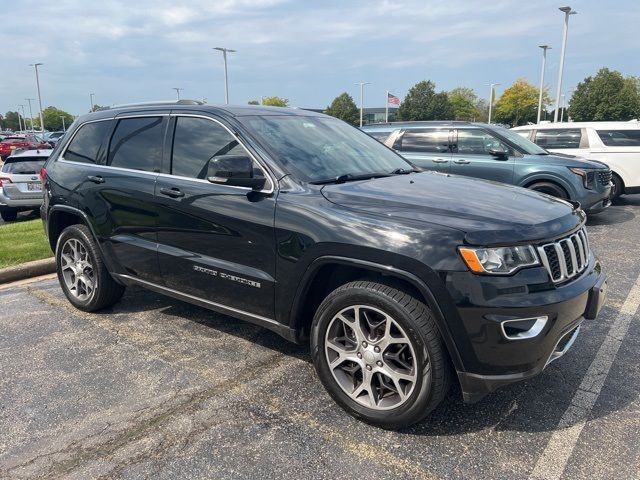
point(20, 187)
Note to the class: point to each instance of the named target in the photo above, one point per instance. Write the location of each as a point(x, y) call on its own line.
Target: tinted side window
point(620, 138)
point(425, 141)
point(478, 142)
point(561, 138)
point(136, 143)
point(196, 141)
point(86, 143)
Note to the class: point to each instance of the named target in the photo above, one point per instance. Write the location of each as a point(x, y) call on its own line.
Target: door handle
point(95, 178)
point(173, 192)
point(461, 162)
point(440, 160)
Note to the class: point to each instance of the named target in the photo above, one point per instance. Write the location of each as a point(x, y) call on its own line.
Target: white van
point(615, 143)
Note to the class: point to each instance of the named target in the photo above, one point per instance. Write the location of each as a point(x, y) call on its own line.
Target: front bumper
point(491, 359)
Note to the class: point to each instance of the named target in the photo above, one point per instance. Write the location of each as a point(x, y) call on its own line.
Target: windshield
point(526, 145)
point(321, 148)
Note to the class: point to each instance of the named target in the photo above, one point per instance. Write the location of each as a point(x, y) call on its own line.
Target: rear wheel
point(617, 187)
point(9, 215)
point(378, 353)
point(550, 188)
point(83, 277)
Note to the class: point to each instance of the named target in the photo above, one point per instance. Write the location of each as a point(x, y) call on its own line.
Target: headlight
point(588, 176)
point(499, 260)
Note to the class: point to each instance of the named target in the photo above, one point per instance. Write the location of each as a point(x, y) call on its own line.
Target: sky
point(306, 51)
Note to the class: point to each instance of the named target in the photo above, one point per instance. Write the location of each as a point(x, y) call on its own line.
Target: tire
point(414, 342)
point(9, 215)
point(617, 187)
point(550, 188)
point(83, 277)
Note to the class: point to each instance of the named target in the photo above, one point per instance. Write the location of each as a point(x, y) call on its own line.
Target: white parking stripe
point(553, 460)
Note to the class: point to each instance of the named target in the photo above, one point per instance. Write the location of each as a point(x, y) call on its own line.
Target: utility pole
point(226, 76)
point(491, 85)
point(91, 102)
point(36, 65)
point(177, 91)
point(362, 84)
point(24, 117)
point(544, 61)
point(19, 120)
point(30, 111)
point(567, 11)
point(386, 108)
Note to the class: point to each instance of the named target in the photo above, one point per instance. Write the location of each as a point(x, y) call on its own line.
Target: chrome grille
point(604, 177)
point(567, 257)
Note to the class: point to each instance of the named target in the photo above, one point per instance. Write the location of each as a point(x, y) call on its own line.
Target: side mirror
point(235, 171)
point(499, 153)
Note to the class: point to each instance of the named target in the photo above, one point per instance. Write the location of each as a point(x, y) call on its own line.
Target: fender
point(418, 283)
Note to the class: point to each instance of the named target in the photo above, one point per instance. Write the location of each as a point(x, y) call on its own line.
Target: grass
point(22, 242)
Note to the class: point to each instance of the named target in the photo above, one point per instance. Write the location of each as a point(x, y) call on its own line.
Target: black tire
point(550, 188)
point(617, 187)
point(9, 215)
point(106, 291)
point(432, 364)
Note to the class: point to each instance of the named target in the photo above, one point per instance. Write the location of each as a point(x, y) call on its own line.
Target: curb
point(28, 270)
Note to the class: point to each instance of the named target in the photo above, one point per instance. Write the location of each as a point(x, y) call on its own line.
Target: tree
point(10, 121)
point(53, 119)
point(607, 96)
point(519, 103)
point(423, 103)
point(275, 101)
point(253, 102)
point(465, 104)
point(344, 108)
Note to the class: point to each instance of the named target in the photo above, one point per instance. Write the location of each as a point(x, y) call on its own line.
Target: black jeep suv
point(402, 281)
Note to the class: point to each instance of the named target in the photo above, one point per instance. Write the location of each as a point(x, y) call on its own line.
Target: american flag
point(392, 99)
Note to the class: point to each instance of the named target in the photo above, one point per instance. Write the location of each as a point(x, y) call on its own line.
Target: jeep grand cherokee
point(402, 282)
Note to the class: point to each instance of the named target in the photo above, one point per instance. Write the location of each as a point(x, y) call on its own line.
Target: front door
point(216, 242)
point(472, 156)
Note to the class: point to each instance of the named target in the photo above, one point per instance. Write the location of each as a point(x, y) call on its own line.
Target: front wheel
point(378, 353)
point(617, 187)
point(550, 189)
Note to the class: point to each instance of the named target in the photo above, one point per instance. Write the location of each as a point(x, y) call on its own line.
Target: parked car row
point(496, 153)
point(617, 144)
point(401, 281)
point(29, 141)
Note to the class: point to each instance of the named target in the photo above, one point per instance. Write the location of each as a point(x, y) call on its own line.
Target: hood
point(563, 159)
point(488, 213)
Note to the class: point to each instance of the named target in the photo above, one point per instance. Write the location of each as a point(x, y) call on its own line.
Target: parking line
point(555, 456)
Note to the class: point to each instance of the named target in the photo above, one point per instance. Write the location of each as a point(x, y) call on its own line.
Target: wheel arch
point(329, 272)
point(558, 181)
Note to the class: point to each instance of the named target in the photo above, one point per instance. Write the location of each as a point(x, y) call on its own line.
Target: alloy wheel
point(371, 357)
point(77, 270)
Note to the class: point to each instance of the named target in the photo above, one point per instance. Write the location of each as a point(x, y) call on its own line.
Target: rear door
point(427, 148)
point(471, 156)
point(216, 242)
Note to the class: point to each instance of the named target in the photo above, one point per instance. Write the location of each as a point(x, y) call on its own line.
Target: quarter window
point(196, 141)
point(478, 142)
point(559, 139)
point(425, 141)
point(620, 138)
point(86, 143)
point(136, 144)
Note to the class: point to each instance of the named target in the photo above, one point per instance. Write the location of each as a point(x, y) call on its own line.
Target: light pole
point(19, 120)
point(226, 76)
point(35, 66)
point(362, 84)
point(567, 11)
point(491, 85)
point(30, 111)
point(91, 102)
point(544, 61)
point(64, 128)
point(177, 91)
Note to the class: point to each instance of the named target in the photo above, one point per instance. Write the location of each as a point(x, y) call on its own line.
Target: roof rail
point(158, 102)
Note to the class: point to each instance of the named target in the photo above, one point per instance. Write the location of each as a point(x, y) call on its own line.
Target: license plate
point(34, 187)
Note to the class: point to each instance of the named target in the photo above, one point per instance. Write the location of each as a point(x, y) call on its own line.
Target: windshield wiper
point(350, 177)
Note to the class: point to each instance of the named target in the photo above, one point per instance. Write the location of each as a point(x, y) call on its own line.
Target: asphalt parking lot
point(156, 388)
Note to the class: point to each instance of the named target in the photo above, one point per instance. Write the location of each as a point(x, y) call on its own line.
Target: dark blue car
point(495, 153)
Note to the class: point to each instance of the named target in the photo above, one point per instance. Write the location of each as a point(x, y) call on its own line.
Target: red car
point(28, 142)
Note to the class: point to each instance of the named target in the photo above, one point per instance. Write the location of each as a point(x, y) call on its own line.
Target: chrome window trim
point(267, 173)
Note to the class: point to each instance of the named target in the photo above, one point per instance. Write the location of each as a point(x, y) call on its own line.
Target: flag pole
point(386, 108)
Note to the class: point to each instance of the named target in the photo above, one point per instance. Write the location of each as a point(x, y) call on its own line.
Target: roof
point(426, 123)
point(630, 125)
